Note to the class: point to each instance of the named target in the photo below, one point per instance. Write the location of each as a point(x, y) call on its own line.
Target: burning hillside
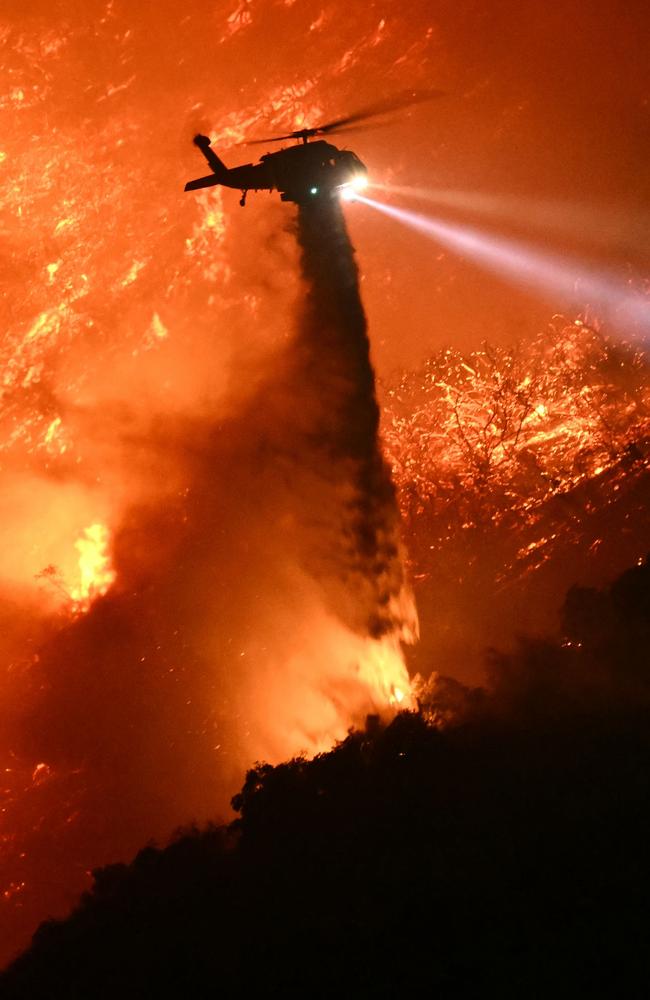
point(520, 471)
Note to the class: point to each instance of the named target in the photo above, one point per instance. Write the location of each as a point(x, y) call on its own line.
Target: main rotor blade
point(361, 127)
point(404, 100)
point(273, 138)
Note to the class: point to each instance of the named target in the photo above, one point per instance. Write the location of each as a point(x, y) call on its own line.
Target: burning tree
point(493, 437)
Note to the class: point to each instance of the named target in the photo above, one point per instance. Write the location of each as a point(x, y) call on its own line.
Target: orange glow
point(151, 453)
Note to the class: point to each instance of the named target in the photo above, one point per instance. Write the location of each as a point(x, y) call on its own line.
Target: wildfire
point(125, 304)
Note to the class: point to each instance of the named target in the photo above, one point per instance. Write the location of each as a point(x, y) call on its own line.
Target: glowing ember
point(494, 436)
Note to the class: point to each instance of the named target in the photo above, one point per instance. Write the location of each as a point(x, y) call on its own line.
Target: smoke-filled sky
point(144, 326)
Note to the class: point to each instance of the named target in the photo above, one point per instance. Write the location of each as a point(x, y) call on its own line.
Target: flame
point(384, 671)
point(96, 574)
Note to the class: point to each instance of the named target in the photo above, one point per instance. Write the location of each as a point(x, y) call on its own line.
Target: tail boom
point(202, 182)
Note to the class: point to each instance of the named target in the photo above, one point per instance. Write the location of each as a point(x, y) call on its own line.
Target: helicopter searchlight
point(349, 191)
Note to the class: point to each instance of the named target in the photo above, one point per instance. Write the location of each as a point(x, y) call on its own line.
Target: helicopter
point(308, 170)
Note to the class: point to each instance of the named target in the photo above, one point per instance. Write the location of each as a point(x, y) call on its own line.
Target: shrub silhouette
point(503, 851)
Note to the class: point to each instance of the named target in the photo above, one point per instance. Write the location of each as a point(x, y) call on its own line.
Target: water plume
point(334, 350)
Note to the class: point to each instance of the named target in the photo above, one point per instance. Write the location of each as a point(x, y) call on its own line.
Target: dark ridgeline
point(504, 854)
point(332, 353)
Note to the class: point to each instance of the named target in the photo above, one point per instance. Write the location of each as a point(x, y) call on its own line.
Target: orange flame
point(96, 573)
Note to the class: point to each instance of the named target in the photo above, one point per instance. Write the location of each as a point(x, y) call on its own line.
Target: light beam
point(550, 273)
point(601, 225)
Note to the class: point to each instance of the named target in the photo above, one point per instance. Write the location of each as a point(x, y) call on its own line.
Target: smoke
point(259, 602)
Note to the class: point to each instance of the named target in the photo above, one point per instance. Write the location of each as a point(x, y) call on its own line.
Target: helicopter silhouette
point(307, 170)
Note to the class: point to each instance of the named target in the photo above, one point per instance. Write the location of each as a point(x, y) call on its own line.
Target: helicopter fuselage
point(299, 173)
